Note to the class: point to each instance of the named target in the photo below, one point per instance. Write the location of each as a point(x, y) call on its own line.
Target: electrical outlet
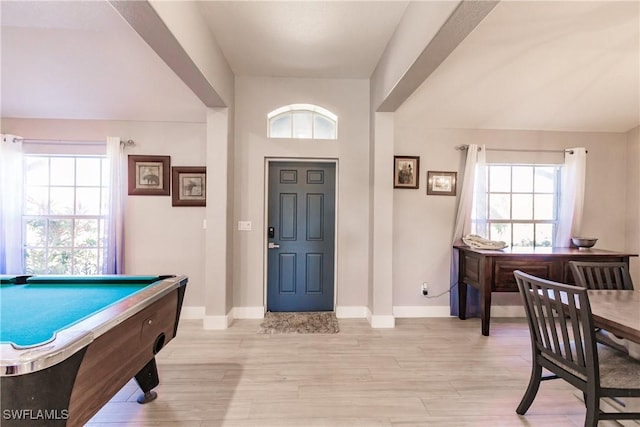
point(424, 289)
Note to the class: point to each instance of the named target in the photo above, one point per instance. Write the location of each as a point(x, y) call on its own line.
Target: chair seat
point(617, 369)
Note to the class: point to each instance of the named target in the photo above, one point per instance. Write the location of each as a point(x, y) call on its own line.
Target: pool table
point(68, 344)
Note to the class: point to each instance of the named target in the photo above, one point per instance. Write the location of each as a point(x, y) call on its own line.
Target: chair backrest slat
point(560, 323)
point(601, 275)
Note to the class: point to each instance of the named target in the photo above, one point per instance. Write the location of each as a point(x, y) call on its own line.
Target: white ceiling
point(81, 60)
point(325, 39)
point(548, 65)
point(529, 65)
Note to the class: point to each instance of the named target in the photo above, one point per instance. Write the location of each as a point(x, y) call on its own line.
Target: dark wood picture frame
point(406, 172)
point(149, 175)
point(441, 183)
point(189, 186)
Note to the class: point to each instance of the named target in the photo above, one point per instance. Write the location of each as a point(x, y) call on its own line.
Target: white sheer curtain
point(473, 181)
point(11, 176)
point(571, 196)
point(114, 256)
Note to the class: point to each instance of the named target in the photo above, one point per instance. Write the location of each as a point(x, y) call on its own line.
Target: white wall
point(160, 239)
point(349, 100)
point(633, 201)
point(423, 224)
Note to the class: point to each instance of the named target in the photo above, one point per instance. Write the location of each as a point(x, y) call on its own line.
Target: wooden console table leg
point(462, 300)
point(485, 309)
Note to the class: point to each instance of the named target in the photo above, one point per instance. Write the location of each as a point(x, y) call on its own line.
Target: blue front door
point(301, 236)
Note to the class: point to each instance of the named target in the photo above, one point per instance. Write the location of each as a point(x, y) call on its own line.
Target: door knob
point(273, 245)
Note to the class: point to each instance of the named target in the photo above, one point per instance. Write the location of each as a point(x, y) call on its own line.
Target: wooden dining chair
point(563, 342)
point(601, 275)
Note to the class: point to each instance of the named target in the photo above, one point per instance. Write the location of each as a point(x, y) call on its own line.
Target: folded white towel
point(479, 242)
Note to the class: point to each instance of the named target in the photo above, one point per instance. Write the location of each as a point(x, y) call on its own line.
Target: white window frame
point(483, 226)
point(315, 110)
point(102, 217)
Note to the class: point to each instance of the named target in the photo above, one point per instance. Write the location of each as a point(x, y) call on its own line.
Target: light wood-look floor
point(425, 372)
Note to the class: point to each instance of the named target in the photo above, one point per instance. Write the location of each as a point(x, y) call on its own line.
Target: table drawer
point(505, 281)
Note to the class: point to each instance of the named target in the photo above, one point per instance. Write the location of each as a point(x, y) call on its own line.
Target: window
point(519, 204)
point(65, 206)
point(302, 121)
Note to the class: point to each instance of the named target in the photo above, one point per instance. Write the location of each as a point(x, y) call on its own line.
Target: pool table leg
point(147, 379)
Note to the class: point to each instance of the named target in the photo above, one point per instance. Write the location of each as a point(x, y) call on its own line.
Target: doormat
point(312, 322)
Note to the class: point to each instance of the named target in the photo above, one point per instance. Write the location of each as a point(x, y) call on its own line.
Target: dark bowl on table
point(584, 242)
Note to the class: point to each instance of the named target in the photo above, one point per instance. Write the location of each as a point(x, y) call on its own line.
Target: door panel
point(300, 259)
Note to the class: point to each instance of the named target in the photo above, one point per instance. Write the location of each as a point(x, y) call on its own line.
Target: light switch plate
point(244, 225)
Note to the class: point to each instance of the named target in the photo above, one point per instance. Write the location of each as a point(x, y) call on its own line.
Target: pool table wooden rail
point(123, 340)
point(17, 360)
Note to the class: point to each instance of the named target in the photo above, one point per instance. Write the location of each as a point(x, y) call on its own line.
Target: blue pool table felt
point(31, 314)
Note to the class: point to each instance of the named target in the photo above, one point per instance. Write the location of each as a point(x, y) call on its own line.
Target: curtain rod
point(15, 138)
point(521, 150)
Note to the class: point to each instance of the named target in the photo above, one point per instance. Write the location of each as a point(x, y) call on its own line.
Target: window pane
point(323, 128)
point(36, 201)
point(522, 235)
point(35, 261)
point(88, 201)
point(499, 206)
point(62, 171)
point(104, 180)
point(37, 170)
point(500, 232)
point(522, 206)
point(85, 261)
point(544, 207)
point(53, 229)
point(499, 179)
point(36, 232)
point(86, 233)
point(102, 236)
point(544, 235)
point(302, 125)
point(545, 178)
point(61, 201)
point(104, 201)
point(280, 126)
point(60, 232)
point(522, 179)
point(59, 261)
point(88, 171)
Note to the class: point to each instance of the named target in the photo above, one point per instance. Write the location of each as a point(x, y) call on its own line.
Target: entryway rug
point(312, 322)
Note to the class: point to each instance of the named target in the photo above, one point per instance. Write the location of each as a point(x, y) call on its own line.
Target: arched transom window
point(303, 121)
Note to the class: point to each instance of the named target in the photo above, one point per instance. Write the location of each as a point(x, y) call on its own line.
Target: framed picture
point(406, 171)
point(441, 183)
point(149, 175)
point(189, 186)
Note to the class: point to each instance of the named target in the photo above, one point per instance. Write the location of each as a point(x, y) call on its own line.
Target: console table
point(492, 270)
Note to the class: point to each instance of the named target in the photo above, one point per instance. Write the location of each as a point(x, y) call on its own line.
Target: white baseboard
point(407, 311)
point(351, 312)
point(381, 321)
point(342, 312)
point(192, 313)
point(248, 312)
point(217, 322)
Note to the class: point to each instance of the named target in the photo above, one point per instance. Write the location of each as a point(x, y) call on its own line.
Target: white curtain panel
point(11, 176)
point(571, 196)
point(114, 255)
point(473, 183)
